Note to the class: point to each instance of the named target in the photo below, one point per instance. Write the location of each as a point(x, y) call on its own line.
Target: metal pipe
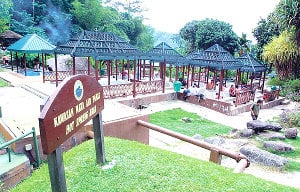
point(238, 157)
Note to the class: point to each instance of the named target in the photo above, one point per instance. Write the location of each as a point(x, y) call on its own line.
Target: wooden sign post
point(76, 101)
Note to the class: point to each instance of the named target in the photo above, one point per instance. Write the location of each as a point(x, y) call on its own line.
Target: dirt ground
point(239, 122)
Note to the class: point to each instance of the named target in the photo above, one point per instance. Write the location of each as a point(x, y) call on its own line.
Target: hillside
point(139, 167)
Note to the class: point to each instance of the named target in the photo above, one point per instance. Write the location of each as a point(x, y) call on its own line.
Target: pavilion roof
point(10, 35)
point(217, 57)
point(196, 58)
point(250, 64)
point(31, 43)
point(164, 52)
point(100, 45)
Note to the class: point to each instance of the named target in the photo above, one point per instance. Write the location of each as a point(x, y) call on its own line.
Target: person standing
point(255, 109)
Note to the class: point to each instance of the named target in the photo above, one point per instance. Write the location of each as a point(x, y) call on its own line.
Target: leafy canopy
point(204, 34)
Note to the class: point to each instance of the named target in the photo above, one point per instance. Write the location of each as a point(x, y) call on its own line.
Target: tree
point(287, 15)
point(5, 15)
point(284, 53)
point(188, 33)
point(131, 7)
point(264, 32)
point(244, 44)
point(203, 34)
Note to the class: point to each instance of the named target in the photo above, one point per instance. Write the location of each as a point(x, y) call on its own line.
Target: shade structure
point(100, 45)
point(196, 58)
point(32, 43)
point(164, 52)
point(9, 37)
point(250, 64)
point(218, 58)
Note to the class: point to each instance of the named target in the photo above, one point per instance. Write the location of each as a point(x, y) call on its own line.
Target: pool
point(30, 72)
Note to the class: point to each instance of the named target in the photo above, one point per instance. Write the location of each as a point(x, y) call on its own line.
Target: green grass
point(172, 119)
point(143, 168)
point(3, 83)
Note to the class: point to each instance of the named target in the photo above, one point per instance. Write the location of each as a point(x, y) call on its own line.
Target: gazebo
point(165, 54)
point(8, 37)
point(108, 47)
point(30, 43)
point(217, 58)
point(253, 66)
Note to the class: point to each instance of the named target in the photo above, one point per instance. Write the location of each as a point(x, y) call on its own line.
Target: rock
point(215, 140)
point(263, 157)
point(272, 136)
point(187, 119)
point(257, 126)
point(234, 133)
point(198, 137)
point(291, 133)
point(278, 146)
point(274, 127)
point(246, 133)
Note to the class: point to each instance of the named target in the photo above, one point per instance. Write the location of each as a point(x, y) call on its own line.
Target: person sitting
point(49, 68)
point(232, 91)
point(210, 85)
point(5, 60)
point(186, 94)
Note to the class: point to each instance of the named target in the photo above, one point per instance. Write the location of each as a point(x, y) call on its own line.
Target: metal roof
point(250, 64)
point(217, 57)
point(31, 43)
point(100, 45)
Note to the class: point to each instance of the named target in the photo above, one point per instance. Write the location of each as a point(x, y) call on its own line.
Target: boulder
point(218, 141)
point(247, 133)
point(257, 126)
point(274, 127)
point(272, 136)
point(291, 133)
point(263, 157)
point(278, 146)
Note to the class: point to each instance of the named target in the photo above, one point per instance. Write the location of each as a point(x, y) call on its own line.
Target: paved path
point(20, 107)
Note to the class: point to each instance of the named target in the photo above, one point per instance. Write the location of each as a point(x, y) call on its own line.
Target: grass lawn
point(142, 168)
point(3, 83)
point(172, 119)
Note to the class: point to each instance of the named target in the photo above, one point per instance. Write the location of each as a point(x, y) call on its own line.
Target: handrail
point(216, 152)
point(36, 148)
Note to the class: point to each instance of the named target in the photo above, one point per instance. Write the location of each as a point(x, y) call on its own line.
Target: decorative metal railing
point(148, 87)
point(121, 90)
point(244, 96)
point(112, 91)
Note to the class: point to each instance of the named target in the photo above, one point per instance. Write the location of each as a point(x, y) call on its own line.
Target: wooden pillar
point(74, 69)
point(188, 76)
point(116, 64)
point(56, 72)
point(96, 70)
point(176, 71)
point(164, 65)
point(43, 65)
point(25, 67)
point(108, 63)
point(134, 79)
point(170, 71)
point(89, 66)
point(193, 75)
point(128, 70)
